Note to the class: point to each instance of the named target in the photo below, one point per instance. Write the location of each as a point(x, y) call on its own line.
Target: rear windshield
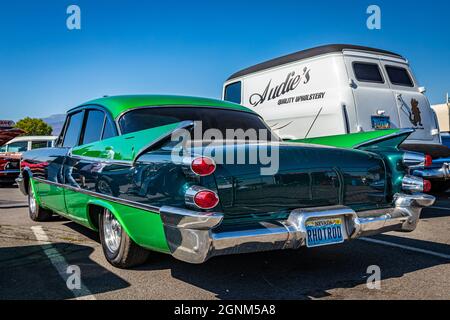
point(211, 118)
point(399, 76)
point(367, 72)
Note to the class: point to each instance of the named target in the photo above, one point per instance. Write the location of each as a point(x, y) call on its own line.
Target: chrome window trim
point(177, 106)
point(133, 204)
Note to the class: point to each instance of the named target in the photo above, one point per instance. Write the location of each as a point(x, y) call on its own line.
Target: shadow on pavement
point(27, 273)
point(290, 274)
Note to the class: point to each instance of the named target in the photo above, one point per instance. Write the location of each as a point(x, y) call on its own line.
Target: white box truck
point(341, 89)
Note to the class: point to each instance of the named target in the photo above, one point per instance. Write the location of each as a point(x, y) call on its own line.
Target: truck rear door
point(374, 102)
point(413, 107)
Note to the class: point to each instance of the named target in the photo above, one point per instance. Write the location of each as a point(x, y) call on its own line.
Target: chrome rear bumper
point(191, 237)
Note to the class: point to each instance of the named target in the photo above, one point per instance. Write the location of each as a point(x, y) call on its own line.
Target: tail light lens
point(415, 184)
point(428, 161)
point(426, 186)
point(201, 198)
point(206, 199)
point(203, 166)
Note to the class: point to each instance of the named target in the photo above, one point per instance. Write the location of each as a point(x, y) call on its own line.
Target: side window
point(233, 92)
point(19, 146)
point(38, 144)
point(109, 130)
point(367, 72)
point(94, 126)
point(73, 130)
point(399, 76)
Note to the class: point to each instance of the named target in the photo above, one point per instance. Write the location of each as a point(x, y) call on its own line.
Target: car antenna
point(312, 124)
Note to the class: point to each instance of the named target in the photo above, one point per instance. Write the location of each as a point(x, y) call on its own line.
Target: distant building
point(7, 124)
point(443, 115)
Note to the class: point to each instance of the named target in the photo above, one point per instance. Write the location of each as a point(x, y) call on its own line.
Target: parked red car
point(9, 162)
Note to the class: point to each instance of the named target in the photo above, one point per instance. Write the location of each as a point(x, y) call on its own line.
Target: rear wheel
point(36, 212)
point(119, 249)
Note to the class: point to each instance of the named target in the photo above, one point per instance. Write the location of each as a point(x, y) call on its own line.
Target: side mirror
point(422, 90)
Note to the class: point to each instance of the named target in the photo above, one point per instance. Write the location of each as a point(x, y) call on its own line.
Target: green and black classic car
point(119, 167)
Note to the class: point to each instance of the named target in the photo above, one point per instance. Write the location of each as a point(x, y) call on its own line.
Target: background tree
point(34, 127)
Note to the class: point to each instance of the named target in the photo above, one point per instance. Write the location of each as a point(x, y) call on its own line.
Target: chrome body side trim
point(102, 196)
point(9, 171)
point(192, 238)
point(442, 173)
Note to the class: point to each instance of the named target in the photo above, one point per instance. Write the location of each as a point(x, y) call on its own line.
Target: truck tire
point(119, 249)
point(36, 212)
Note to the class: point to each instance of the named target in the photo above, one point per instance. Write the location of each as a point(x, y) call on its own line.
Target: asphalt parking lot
point(34, 258)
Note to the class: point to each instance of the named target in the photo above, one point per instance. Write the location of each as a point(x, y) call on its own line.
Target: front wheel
point(35, 212)
point(119, 249)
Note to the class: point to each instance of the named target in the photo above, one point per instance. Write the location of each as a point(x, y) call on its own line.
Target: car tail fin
point(160, 141)
point(372, 140)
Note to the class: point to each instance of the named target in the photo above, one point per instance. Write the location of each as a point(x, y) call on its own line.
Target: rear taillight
point(203, 166)
point(416, 159)
point(426, 186)
point(206, 199)
point(201, 198)
point(428, 161)
point(415, 184)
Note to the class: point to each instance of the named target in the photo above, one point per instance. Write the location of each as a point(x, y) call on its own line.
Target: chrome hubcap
point(32, 203)
point(112, 231)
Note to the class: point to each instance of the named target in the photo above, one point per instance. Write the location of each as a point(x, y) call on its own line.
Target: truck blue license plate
point(324, 231)
point(381, 122)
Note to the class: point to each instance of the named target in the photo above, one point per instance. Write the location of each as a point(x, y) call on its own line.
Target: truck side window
point(233, 92)
point(38, 144)
point(367, 72)
point(73, 129)
point(399, 76)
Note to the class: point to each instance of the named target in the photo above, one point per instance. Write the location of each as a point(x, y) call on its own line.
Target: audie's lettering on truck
point(290, 83)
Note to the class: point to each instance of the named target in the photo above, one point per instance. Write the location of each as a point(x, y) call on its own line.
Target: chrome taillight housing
point(416, 159)
point(415, 184)
point(201, 198)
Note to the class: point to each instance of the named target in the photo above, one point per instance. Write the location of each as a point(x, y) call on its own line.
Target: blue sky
point(191, 47)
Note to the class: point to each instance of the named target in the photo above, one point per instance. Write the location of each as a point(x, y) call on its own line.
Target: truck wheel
point(35, 212)
point(119, 249)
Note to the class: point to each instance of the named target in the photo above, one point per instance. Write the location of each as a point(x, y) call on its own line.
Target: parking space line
point(60, 263)
point(409, 248)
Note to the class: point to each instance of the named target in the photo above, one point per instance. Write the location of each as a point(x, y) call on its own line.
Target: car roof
point(117, 105)
point(308, 53)
point(33, 138)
